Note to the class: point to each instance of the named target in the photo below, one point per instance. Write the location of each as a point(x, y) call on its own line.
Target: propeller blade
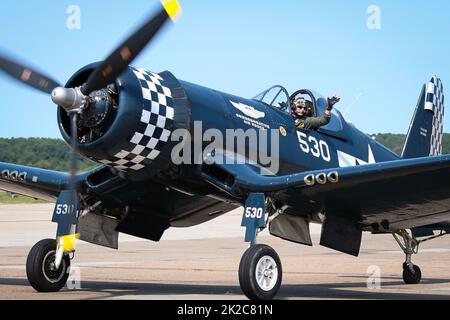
point(113, 66)
point(27, 76)
point(74, 155)
point(66, 210)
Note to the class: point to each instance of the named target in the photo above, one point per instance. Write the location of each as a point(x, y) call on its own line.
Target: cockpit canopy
point(279, 98)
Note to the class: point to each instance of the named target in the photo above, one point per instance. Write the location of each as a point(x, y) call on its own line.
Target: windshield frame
point(260, 97)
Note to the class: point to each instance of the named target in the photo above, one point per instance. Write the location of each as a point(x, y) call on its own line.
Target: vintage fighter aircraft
point(123, 118)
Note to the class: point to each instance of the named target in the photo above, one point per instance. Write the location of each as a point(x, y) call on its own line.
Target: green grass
point(5, 198)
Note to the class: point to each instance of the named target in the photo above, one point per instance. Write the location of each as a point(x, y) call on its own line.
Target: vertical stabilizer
point(427, 127)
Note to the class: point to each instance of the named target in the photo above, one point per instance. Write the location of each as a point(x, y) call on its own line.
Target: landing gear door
point(254, 216)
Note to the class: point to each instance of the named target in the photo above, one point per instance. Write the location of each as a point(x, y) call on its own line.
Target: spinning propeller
point(75, 100)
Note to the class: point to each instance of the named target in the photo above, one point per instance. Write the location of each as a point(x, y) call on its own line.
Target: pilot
point(304, 119)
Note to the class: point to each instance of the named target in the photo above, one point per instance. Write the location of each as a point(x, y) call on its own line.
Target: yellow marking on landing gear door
point(68, 243)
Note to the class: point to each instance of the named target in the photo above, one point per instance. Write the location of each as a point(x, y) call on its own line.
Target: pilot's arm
point(316, 123)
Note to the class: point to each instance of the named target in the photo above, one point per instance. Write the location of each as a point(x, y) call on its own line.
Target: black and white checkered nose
point(155, 126)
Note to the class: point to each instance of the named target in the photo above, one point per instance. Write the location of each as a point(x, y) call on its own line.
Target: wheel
point(260, 273)
point(41, 272)
point(409, 277)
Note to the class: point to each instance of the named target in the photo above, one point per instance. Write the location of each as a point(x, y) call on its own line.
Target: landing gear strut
point(410, 245)
point(411, 273)
point(260, 270)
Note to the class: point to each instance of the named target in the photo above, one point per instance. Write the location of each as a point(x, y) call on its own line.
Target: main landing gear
point(410, 245)
point(260, 270)
point(411, 273)
point(42, 272)
point(48, 263)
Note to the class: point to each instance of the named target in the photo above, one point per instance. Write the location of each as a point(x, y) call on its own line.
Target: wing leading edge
point(32, 182)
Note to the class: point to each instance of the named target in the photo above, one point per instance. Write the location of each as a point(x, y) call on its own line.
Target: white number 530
point(63, 209)
point(317, 148)
point(253, 213)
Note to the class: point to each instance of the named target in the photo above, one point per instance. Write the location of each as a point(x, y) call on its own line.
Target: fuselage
point(337, 145)
point(154, 110)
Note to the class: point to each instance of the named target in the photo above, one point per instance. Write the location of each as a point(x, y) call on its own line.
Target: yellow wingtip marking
point(68, 243)
point(173, 8)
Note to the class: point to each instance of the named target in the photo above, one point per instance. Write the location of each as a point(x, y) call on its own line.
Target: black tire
point(39, 274)
point(409, 277)
point(248, 273)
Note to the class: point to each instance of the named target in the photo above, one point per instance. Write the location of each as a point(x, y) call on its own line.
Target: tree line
point(55, 153)
point(39, 152)
point(395, 142)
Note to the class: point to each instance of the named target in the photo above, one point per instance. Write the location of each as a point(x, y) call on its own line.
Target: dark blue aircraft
point(132, 122)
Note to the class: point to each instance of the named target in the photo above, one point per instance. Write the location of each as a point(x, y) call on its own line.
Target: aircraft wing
point(400, 194)
point(32, 182)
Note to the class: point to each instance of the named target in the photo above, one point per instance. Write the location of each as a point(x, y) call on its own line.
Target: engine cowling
point(128, 125)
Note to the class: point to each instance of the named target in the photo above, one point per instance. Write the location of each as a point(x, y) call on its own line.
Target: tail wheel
point(411, 277)
point(41, 271)
point(260, 273)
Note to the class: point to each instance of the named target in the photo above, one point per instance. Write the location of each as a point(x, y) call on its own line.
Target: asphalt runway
point(201, 263)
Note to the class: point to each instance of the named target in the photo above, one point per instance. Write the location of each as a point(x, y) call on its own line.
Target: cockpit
point(278, 97)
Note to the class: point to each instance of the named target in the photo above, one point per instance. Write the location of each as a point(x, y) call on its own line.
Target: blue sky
point(240, 47)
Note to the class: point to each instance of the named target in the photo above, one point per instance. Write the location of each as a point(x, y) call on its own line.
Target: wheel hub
point(266, 273)
point(49, 270)
point(53, 266)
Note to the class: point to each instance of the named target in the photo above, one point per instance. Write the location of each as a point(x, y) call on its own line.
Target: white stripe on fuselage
point(346, 160)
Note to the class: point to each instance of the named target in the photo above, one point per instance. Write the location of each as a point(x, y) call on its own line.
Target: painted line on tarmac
point(78, 264)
